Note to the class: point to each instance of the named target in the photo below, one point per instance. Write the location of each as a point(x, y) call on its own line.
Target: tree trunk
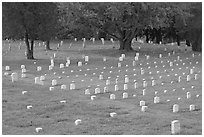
point(197, 41)
point(47, 45)
point(126, 45)
point(29, 47)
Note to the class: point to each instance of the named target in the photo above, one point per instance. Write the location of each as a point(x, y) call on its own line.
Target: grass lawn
point(59, 118)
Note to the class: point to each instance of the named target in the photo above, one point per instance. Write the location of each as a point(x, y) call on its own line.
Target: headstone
point(14, 77)
point(93, 97)
point(136, 58)
point(100, 77)
point(133, 63)
point(144, 92)
point(54, 82)
point(107, 82)
point(63, 87)
point(153, 83)
point(61, 65)
point(192, 107)
point(105, 89)
point(39, 68)
point(23, 70)
point(188, 77)
point(175, 108)
point(179, 79)
point(144, 84)
point(113, 114)
point(125, 86)
point(97, 90)
point(42, 78)
point(77, 122)
point(119, 64)
point(125, 95)
point(24, 92)
point(156, 100)
point(188, 95)
point(126, 79)
point(142, 71)
point(160, 55)
point(23, 75)
point(29, 107)
point(50, 67)
point(86, 58)
point(144, 108)
point(142, 103)
point(175, 127)
point(116, 88)
point(135, 85)
point(87, 92)
point(112, 96)
point(72, 86)
point(51, 88)
point(79, 64)
point(7, 68)
point(196, 76)
point(38, 129)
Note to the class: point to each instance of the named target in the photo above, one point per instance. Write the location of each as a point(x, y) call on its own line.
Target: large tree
point(123, 21)
point(31, 20)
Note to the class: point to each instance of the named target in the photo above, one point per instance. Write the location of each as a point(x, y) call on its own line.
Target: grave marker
point(112, 96)
point(175, 127)
point(144, 108)
point(14, 77)
point(125, 95)
point(192, 107)
point(175, 108)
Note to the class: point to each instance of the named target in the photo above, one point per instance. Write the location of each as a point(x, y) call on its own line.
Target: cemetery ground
point(56, 111)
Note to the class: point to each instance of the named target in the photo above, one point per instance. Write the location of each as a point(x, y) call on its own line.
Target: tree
point(30, 20)
point(123, 21)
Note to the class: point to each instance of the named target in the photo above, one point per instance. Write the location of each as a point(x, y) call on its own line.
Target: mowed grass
point(59, 118)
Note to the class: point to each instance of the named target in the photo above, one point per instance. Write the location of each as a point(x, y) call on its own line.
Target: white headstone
point(107, 82)
point(175, 127)
point(61, 65)
point(93, 97)
point(126, 79)
point(144, 84)
point(63, 87)
point(188, 77)
point(125, 86)
point(72, 86)
point(7, 68)
point(54, 82)
point(142, 103)
point(79, 64)
point(156, 100)
point(112, 96)
point(105, 89)
point(144, 92)
point(86, 58)
point(135, 85)
point(116, 88)
point(113, 114)
point(77, 122)
point(175, 108)
point(104, 59)
point(14, 76)
point(192, 107)
point(144, 108)
point(39, 68)
point(100, 77)
point(125, 95)
point(188, 95)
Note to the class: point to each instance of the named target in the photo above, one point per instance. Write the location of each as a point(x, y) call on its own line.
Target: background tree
point(123, 21)
point(30, 20)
